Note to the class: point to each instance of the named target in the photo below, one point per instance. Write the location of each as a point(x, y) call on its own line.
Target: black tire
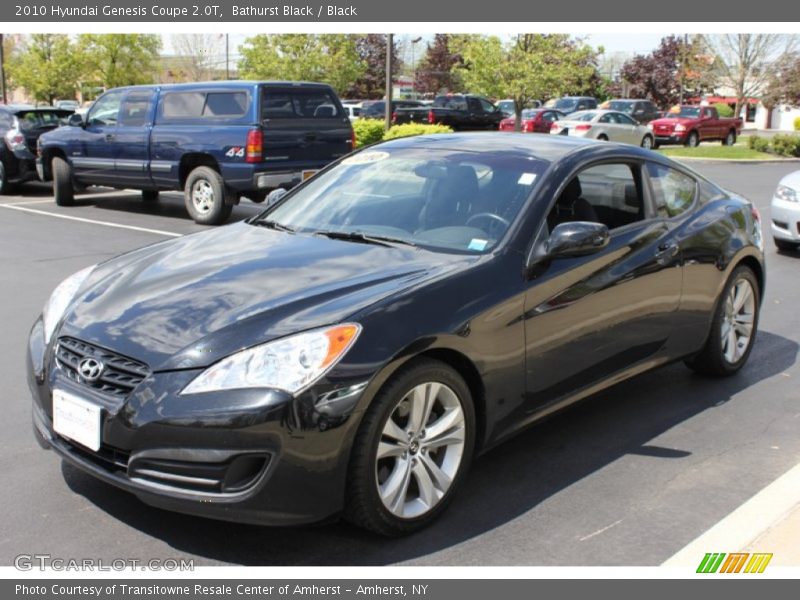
point(215, 209)
point(149, 196)
point(730, 139)
point(656, 145)
point(63, 189)
point(6, 188)
point(602, 137)
point(648, 143)
point(692, 140)
point(711, 360)
point(363, 506)
point(785, 246)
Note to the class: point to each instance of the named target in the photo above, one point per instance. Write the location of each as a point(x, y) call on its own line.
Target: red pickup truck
point(690, 125)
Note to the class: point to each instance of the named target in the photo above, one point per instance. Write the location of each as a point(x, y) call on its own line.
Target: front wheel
point(733, 329)
point(204, 196)
point(647, 142)
point(693, 140)
point(63, 190)
point(602, 137)
point(412, 450)
point(6, 188)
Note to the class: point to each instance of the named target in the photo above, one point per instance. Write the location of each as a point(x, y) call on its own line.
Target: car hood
point(671, 122)
point(188, 302)
point(792, 180)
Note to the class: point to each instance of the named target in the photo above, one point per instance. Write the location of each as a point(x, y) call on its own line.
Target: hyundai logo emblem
point(90, 369)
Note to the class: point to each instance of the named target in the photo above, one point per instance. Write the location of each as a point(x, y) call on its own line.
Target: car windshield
point(437, 199)
point(530, 113)
point(625, 107)
point(687, 112)
point(582, 115)
point(566, 104)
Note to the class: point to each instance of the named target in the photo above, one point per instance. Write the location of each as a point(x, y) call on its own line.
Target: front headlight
point(290, 364)
point(680, 127)
point(786, 193)
point(60, 299)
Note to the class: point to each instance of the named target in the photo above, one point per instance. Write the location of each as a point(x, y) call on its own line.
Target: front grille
point(120, 374)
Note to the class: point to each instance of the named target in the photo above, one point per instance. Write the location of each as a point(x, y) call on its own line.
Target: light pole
point(389, 48)
point(414, 65)
point(3, 69)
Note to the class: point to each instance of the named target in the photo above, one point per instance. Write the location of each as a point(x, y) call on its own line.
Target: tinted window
point(105, 111)
point(566, 104)
point(672, 190)
point(39, 118)
point(135, 108)
point(454, 102)
point(299, 104)
point(225, 104)
point(688, 112)
point(183, 105)
point(486, 105)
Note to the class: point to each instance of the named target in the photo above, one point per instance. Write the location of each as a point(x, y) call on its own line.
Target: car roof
point(228, 84)
point(26, 107)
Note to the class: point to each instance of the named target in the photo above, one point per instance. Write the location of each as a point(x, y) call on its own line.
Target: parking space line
point(92, 221)
point(746, 523)
point(24, 202)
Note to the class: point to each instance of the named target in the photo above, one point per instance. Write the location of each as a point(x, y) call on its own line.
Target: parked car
point(377, 109)
point(20, 128)
point(72, 105)
point(459, 111)
point(642, 111)
point(690, 125)
point(570, 104)
point(506, 107)
point(604, 125)
point(215, 141)
point(534, 120)
point(785, 213)
point(353, 347)
point(353, 111)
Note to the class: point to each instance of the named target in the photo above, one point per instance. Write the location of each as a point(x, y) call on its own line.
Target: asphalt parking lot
point(625, 478)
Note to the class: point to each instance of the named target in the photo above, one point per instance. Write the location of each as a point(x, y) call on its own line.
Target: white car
point(785, 213)
point(604, 125)
point(353, 111)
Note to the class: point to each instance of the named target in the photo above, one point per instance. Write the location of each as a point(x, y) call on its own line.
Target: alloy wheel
point(737, 322)
point(203, 196)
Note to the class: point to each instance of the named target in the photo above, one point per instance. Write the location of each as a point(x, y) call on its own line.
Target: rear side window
point(36, 119)
point(203, 105)
point(672, 190)
point(454, 102)
point(299, 104)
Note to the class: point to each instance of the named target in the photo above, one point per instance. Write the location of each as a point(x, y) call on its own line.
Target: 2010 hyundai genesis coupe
point(353, 347)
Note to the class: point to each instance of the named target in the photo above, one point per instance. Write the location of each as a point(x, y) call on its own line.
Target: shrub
point(797, 123)
point(786, 145)
point(723, 110)
point(758, 143)
point(368, 131)
point(409, 129)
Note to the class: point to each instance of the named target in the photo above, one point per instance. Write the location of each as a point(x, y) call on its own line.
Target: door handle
point(110, 137)
point(666, 252)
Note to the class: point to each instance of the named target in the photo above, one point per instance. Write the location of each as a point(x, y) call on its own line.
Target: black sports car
point(353, 347)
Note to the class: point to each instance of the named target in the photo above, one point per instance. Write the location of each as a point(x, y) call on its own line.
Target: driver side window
point(610, 194)
point(105, 111)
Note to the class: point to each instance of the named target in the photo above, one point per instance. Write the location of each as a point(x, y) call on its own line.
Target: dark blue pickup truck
point(216, 141)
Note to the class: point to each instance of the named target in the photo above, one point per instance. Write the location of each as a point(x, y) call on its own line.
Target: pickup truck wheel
point(693, 140)
point(62, 182)
point(730, 139)
point(149, 196)
point(204, 196)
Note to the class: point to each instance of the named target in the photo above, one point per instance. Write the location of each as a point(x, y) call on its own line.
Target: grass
point(715, 150)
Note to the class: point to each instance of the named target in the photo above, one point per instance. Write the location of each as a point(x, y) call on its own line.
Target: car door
point(590, 317)
point(93, 154)
point(476, 117)
point(489, 114)
point(608, 127)
point(629, 130)
point(133, 137)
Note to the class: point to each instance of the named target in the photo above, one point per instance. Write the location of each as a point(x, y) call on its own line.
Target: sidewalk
point(767, 522)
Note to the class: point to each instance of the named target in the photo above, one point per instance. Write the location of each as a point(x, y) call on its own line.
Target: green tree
point(527, 68)
point(330, 58)
point(46, 66)
point(117, 59)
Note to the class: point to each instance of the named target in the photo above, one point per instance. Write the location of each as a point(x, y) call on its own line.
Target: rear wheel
point(62, 182)
point(733, 329)
point(204, 196)
point(647, 142)
point(602, 137)
point(730, 139)
point(6, 188)
point(784, 245)
point(150, 195)
point(693, 140)
point(412, 450)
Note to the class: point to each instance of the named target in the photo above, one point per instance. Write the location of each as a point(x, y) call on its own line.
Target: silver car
point(785, 213)
point(605, 125)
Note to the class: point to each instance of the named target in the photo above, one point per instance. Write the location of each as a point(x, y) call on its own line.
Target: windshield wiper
point(273, 225)
point(364, 238)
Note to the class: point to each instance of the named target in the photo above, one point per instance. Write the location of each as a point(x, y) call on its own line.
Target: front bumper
point(785, 220)
point(253, 456)
point(666, 140)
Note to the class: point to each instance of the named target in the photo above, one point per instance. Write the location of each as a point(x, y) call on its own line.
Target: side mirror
point(75, 120)
point(275, 195)
point(577, 238)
